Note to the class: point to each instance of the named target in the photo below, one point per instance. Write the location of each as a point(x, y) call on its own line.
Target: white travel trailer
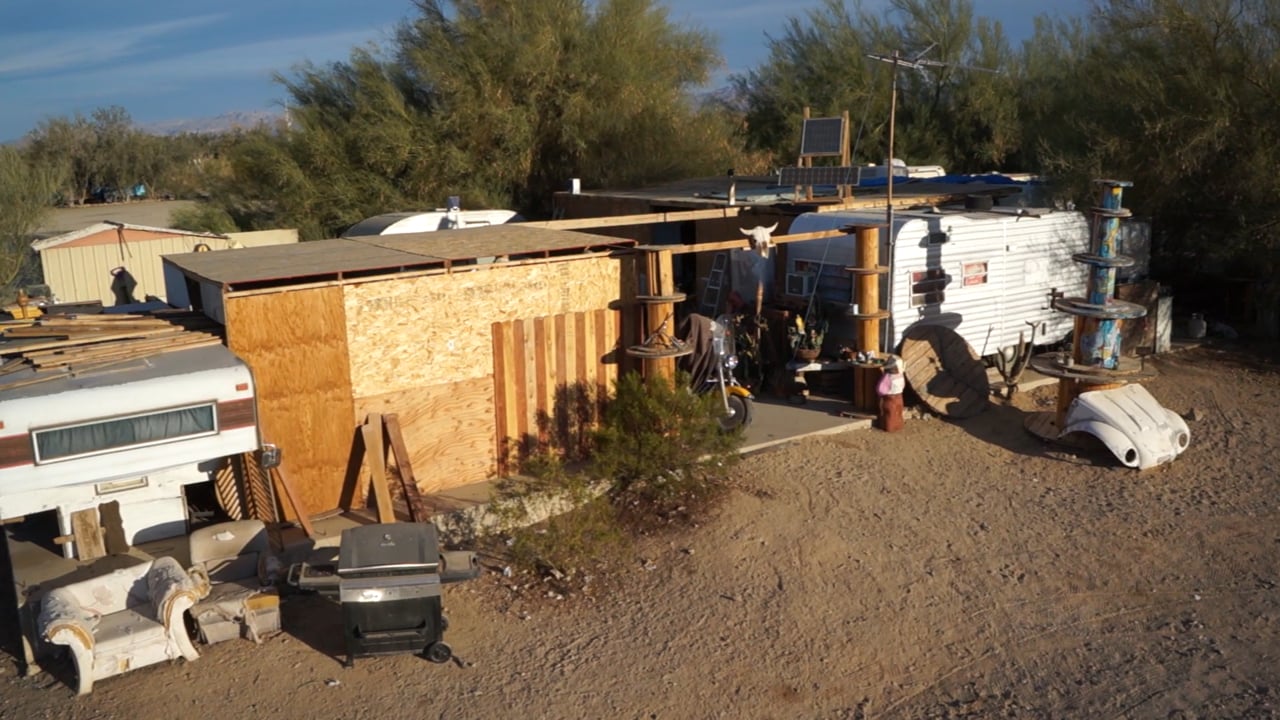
point(136, 435)
point(990, 275)
point(416, 222)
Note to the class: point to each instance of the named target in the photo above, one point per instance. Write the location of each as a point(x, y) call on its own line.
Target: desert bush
point(660, 447)
point(580, 529)
point(658, 454)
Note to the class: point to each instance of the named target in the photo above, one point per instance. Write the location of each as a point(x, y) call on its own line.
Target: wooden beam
point(290, 493)
point(744, 243)
point(375, 451)
point(412, 495)
point(643, 219)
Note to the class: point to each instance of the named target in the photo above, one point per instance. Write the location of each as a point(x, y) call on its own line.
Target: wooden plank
point(583, 371)
point(519, 353)
point(602, 328)
point(97, 337)
point(529, 419)
point(375, 451)
point(113, 528)
point(295, 502)
point(563, 343)
point(88, 534)
point(413, 497)
point(638, 219)
point(500, 400)
point(544, 360)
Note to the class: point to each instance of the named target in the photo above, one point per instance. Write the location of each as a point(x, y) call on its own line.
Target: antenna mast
point(916, 63)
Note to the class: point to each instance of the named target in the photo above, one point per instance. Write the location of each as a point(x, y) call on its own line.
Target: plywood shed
point(474, 338)
point(77, 265)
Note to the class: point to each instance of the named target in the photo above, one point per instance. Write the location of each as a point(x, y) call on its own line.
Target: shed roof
point(64, 238)
point(383, 254)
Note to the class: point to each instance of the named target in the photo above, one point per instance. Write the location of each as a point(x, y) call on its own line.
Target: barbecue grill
point(388, 584)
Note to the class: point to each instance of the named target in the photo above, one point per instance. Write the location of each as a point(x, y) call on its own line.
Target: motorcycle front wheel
point(741, 416)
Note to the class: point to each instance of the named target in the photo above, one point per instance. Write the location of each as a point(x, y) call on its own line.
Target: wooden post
point(412, 495)
point(631, 319)
point(304, 518)
point(375, 451)
point(662, 282)
point(868, 288)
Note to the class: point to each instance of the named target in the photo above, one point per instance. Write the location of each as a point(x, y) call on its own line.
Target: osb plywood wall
point(296, 344)
point(550, 374)
point(448, 430)
point(434, 330)
point(424, 348)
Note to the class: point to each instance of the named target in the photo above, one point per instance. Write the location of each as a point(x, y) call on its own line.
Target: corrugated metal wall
point(1027, 257)
point(81, 272)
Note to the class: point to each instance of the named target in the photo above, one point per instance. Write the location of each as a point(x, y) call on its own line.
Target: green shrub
point(587, 534)
point(660, 447)
point(657, 454)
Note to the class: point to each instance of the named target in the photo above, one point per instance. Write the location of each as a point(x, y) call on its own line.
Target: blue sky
point(164, 60)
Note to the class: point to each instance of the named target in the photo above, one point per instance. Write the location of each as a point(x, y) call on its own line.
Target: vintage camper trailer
point(416, 222)
point(990, 275)
point(136, 435)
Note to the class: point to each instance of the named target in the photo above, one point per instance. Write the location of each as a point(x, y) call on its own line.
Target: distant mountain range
point(222, 123)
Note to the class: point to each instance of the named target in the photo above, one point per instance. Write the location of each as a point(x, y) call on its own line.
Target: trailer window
point(72, 441)
point(975, 273)
point(928, 287)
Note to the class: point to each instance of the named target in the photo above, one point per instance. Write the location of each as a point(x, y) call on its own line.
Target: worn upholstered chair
point(234, 561)
point(125, 619)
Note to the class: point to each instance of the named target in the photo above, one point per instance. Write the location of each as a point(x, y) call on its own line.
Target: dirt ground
point(953, 570)
point(154, 213)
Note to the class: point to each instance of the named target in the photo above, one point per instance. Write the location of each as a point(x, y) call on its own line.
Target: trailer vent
point(800, 283)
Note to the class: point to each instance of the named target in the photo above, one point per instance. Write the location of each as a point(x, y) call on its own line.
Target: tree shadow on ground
point(1003, 424)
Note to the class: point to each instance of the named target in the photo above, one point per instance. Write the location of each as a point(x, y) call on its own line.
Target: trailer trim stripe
point(16, 450)
point(234, 414)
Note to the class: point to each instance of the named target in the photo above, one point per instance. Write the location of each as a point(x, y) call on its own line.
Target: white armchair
point(126, 619)
point(233, 561)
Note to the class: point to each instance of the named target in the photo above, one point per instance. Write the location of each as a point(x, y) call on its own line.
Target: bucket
point(1196, 326)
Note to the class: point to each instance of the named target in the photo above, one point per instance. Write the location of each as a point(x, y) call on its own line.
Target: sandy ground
point(154, 213)
point(951, 570)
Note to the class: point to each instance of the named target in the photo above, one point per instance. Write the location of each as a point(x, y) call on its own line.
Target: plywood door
point(296, 345)
point(549, 376)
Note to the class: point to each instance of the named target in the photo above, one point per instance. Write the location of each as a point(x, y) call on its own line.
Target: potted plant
point(806, 338)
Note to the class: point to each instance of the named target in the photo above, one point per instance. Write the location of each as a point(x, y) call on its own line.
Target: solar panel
point(822, 136)
point(794, 176)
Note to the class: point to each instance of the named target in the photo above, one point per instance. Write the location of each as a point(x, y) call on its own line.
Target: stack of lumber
point(70, 346)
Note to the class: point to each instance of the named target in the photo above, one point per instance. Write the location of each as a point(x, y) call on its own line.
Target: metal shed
point(77, 265)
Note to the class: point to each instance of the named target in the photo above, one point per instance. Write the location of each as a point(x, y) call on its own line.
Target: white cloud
point(50, 52)
point(184, 72)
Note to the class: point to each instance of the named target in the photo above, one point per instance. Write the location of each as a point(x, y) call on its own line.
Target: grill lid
point(389, 547)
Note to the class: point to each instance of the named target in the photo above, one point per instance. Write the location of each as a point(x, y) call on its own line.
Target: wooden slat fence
point(549, 376)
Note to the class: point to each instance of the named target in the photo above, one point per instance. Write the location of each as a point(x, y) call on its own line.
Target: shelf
point(659, 299)
point(859, 270)
point(1113, 310)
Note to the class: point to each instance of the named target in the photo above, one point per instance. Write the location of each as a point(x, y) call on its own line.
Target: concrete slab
point(777, 420)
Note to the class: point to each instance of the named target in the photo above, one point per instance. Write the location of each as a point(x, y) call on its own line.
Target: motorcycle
point(717, 376)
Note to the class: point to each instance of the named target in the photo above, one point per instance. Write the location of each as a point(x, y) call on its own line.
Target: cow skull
point(760, 238)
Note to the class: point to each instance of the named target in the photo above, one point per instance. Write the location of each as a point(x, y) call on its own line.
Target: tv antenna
point(916, 62)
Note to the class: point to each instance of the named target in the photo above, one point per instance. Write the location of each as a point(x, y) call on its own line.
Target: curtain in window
point(123, 433)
